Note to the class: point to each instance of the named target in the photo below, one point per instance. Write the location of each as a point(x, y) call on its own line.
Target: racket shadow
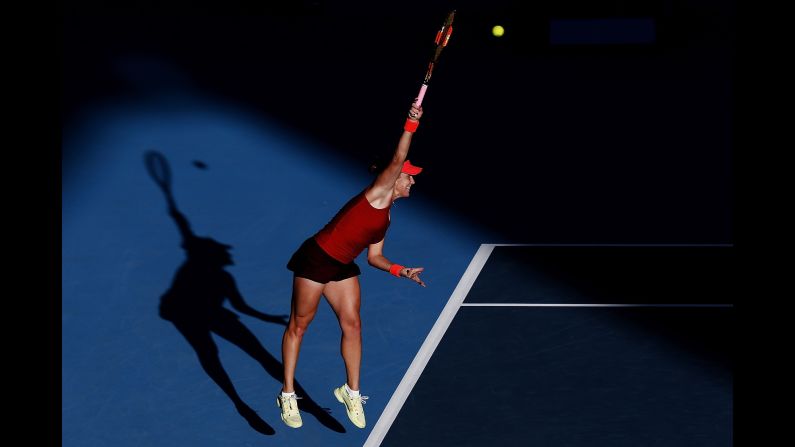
point(194, 305)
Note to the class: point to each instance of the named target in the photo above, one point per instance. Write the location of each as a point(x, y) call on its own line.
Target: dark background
point(541, 143)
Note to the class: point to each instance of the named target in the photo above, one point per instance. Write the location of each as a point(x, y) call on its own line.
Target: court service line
point(428, 347)
point(613, 245)
point(589, 305)
point(455, 302)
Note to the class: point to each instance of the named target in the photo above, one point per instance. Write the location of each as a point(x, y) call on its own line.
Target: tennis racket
point(442, 38)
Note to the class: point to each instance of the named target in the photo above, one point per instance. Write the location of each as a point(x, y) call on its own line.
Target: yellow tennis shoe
point(353, 405)
point(290, 414)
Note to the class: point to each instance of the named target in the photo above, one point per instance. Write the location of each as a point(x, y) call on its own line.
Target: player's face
point(403, 185)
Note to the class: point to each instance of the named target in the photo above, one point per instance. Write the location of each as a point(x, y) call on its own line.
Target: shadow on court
point(194, 304)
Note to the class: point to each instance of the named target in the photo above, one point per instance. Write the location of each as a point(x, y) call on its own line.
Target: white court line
point(426, 350)
point(611, 245)
point(587, 305)
point(455, 302)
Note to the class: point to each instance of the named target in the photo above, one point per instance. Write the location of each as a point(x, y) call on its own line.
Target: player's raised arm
point(384, 183)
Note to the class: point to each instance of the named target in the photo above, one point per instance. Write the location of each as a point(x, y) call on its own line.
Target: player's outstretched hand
point(413, 273)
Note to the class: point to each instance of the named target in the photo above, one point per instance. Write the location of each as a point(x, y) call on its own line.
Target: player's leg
point(345, 298)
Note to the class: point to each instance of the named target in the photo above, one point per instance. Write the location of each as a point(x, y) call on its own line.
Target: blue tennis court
point(576, 345)
point(574, 219)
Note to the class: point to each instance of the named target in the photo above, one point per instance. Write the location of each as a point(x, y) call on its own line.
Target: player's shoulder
point(377, 196)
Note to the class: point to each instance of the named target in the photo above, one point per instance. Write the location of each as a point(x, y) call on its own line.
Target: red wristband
point(395, 269)
point(410, 125)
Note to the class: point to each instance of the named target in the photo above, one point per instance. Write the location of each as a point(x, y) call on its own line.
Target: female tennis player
point(324, 266)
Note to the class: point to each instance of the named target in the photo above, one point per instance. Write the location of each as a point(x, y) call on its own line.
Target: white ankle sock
point(351, 392)
point(288, 394)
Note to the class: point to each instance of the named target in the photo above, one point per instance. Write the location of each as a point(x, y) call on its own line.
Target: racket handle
point(422, 94)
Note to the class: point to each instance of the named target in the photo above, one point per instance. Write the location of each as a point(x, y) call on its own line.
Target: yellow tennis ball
point(498, 31)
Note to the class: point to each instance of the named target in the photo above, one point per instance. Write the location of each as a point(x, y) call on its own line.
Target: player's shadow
point(194, 304)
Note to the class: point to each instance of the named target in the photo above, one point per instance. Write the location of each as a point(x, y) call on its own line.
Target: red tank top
point(355, 226)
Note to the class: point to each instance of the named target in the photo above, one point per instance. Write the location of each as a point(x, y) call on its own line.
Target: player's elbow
point(373, 260)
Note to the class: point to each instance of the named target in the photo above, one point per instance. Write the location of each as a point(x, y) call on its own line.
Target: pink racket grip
point(422, 94)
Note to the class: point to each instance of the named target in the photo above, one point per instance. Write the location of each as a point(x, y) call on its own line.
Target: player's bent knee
point(298, 329)
point(352, 326)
